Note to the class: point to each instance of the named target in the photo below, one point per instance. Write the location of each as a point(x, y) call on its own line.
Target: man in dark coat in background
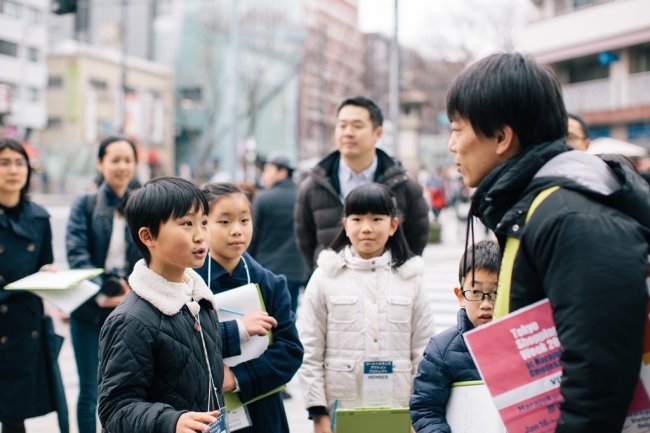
point(319, 207)
point(274, 244)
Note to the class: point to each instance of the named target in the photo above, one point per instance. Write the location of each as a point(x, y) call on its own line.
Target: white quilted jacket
point(351, 305)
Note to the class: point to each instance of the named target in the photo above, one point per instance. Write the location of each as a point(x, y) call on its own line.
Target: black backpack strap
point(91, 203)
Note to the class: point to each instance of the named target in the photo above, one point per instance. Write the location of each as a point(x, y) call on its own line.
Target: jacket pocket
point(402, 380)
point(399, 309)
point(340, 379)
point(343, 308)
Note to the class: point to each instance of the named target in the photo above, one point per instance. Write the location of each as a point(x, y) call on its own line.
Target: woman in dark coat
point(97, 237)
point(28, 387)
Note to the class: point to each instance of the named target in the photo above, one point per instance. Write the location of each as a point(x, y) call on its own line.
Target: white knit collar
point(332, 262)
point(166, 296)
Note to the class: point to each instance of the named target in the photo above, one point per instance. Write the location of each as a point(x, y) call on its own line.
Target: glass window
point(10, 8)
point(640, 58)
point(32, 54)
point(54, 82)
point(638, 130)
point(98, 84)
point(34, 15)
point(54, 123)
point(33, 94)
point(8, 48)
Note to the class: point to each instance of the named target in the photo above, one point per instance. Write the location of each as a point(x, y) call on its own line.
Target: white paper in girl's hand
point(244, 299)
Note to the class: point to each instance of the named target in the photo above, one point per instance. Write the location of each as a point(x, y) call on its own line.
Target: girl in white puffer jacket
point(365, 308)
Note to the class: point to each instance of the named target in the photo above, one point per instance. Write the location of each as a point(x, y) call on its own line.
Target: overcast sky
point(440, 27)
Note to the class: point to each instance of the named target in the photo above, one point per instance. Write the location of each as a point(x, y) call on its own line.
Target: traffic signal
point(61, 7)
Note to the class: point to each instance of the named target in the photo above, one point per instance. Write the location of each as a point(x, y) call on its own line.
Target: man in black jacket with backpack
point(585, 247)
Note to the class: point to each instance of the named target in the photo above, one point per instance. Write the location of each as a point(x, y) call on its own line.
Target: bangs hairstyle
point(216, 191)
point(158, 201)
point(482, 255)
point(7, 143)
point(374, 198)
point(513, 90)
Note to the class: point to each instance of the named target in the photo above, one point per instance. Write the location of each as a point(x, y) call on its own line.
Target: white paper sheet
point(244, 299)
point(59, 280)
point(470, 409)
point(70, 299)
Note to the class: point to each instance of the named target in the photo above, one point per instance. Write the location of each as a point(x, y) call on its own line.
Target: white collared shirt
point(349, 180)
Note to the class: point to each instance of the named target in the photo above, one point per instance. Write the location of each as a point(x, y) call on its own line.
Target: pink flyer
point(523, 373)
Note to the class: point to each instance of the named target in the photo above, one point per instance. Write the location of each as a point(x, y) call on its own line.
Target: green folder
point(373, 420)
point(232, 399)
point(59, 280)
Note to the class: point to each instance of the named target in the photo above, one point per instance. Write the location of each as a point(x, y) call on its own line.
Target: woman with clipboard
point(229, 266)
point(30, 383)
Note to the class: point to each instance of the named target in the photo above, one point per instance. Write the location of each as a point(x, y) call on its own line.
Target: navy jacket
point(446, 361)
point(90, 252)
point(26, 389)
point(279, 362)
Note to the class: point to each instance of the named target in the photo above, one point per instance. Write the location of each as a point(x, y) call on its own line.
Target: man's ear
point(379, 131)
point(145, 237)
point(507, 142)
point(459, 295)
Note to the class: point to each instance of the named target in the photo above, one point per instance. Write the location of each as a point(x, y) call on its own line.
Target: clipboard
point(373, 420)
point(244, 299)
point(470, 409)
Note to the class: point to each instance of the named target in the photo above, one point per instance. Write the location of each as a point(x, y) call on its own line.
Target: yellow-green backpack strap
point(502, 306)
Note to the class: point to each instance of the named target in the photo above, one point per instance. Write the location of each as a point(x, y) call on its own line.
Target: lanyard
point(361, 309)
point(248, 275)
point(211, 388)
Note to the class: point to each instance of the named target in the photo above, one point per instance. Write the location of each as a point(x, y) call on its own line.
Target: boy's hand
point(258, 323)
point(229, 382)
point(322, 424)
point(191, 422)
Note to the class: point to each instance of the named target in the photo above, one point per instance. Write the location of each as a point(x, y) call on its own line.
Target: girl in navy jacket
point(231, 228)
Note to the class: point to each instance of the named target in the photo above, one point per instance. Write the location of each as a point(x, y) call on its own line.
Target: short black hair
point(110, 140)
point(482, 255)
point(581, 121)
point(374, 111)
point(509, 89)
point(377, 199)
point(217, 190)
point(158, 201)
point(8, 143)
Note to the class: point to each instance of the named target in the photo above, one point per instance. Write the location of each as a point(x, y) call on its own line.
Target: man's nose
point(452, 144)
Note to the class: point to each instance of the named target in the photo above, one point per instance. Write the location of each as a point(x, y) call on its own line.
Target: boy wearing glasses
point(446, 358)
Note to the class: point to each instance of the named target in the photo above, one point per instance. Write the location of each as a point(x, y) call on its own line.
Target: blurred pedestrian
point(357, 161)
point(578, 135)
point(30, 380)
point(274, 243)
point(584, 248)
point(97, 237)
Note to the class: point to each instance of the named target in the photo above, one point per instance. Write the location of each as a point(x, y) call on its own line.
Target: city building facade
point(23, 73)
point(600, 51)
point(84, 105)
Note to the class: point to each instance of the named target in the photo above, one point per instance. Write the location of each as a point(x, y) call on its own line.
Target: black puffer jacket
point(585, 248)
point(319, 211)
point(151, 365)
point(446, 361)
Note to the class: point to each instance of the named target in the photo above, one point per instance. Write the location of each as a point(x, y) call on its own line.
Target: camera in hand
point(112, 286)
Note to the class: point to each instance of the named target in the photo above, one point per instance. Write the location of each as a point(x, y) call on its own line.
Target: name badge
point(239, 419)
point(377, 383)
point(220, 426)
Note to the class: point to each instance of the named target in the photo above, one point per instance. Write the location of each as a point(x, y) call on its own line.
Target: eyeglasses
point(478, 296)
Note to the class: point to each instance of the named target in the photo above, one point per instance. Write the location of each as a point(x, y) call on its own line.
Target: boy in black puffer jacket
point(160, 353)
point(446, 359)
